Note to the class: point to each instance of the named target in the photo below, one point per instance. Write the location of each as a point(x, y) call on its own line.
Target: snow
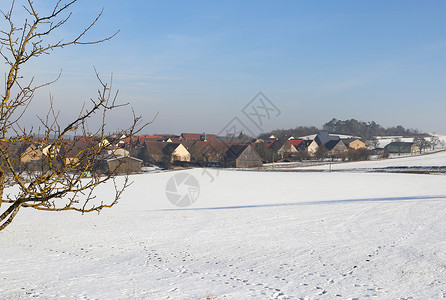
point(437, 159)
point(249, 235)
point(383, 140)
point(342, 136)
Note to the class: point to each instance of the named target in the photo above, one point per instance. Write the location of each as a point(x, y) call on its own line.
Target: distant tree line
point(353, 127)
point(368, 129)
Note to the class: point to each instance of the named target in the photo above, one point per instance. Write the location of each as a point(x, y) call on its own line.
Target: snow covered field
point(437, 159)
point(249, 235)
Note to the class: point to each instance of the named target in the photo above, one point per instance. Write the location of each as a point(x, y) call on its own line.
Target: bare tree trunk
point(2, 185)
point(62, 184)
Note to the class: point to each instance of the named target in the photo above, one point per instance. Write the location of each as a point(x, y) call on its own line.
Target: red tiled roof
point(130, 139)
point(143, 138)
point(191, 136)
point(295, 143)
point(198, 136)
point(211, 137)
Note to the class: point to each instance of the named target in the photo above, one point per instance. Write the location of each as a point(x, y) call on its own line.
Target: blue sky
point(198, 63)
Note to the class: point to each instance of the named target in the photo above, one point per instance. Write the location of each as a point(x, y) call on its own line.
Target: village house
point(117, 151)
point(271, 140)
point(207, 152)
point(116, 140)
point(335, 146)
point(73, 152)
point(324, 137)
point(123, 165)
point(332, 143)
point(131, 140)
point(242, 156)
point(159, 150)
point(291, 146)
point(150, 138)
point(178, 152)
point(172, 139)
point(30, 152)
point(198, 137)
point(401, 147)
point(154, 149)
point(50, 151)
point(354, 144)
point(312, 146)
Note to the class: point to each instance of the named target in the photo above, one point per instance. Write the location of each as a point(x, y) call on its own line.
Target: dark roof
point(331, 144)
point(324, 137)
point(307, 143)
point(125, 158)
point(348, 140)
point(80, 148)
point(170, 147)
point(204, 145)
point(235, 151)
point(87, 139)
point(173, 139)
point(155, 147)
point(400, 144)
point(188, 143)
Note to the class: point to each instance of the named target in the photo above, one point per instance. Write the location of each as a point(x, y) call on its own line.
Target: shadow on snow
point(384, 199)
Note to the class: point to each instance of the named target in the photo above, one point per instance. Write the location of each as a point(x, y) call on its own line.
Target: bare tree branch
point(67, 177)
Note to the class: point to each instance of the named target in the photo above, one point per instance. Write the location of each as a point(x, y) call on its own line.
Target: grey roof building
point(242, 156)
point(324, 137)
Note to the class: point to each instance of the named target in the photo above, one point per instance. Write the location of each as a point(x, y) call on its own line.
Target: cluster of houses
point(128, 154)
point(210, 150)
point(194, 148)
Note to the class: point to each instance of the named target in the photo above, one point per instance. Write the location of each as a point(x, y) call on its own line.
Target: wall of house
point(248, 159)
point(124, 166)
point(312, 148)
point(118, 152)
point(31, 154)
point(339, 147)
point(399, 149)
point(357, 144)
point(287, 148)
point(71, 161)
point(181, 154)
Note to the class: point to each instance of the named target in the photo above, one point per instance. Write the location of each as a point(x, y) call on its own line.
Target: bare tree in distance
point(434, 141)
point(422, 143)
point(372, 143)
point(61, 182)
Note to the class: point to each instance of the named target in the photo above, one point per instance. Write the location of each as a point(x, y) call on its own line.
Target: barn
point(242, 156)
point(124, 165)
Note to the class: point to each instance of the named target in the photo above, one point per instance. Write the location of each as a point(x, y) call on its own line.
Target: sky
point(200, 64)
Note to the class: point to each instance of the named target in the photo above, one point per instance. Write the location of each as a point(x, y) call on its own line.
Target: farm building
point(123, 165)
point(178, 152)
point(401, 147)
point(291, 146)
point(324, 137)
point(242, 156)
point(335, 146)
point(354, 143)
